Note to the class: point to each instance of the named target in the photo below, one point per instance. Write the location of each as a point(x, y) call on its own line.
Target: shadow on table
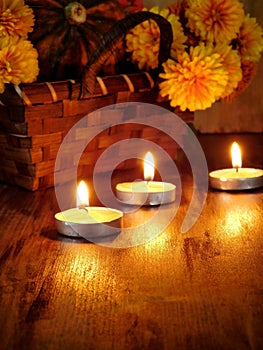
point(53, 235)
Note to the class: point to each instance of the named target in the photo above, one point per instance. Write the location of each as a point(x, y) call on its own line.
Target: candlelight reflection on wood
point(199, 290)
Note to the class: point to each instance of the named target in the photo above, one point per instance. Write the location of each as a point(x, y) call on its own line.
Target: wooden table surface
point(198, 290)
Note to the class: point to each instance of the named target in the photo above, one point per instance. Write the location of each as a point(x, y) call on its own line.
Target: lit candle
point(236, 178)
point(88, 222)
point(147, 192)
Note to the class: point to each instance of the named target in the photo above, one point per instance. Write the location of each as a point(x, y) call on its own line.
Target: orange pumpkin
point(66, 33)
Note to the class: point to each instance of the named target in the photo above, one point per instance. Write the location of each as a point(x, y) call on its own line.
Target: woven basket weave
point(34, 118)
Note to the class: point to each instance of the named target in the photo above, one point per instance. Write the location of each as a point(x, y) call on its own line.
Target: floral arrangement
point(18, 58)
point(214, 55)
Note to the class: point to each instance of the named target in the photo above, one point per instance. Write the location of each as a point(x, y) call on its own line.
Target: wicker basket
point(34, 118)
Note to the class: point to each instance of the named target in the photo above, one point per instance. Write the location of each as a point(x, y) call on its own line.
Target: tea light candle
point(88, 222)
point(236, 178)
point(146, 192)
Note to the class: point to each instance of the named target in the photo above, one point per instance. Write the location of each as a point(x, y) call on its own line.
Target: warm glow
point(148, 167)
point(236, 155)
point(82, 194)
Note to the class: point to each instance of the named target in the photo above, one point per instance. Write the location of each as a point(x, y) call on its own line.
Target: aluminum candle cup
point(236, 178)
point(232, 180)
point(146, 192)
point(89, 222)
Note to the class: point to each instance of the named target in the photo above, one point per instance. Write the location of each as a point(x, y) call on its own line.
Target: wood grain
point(199, 290)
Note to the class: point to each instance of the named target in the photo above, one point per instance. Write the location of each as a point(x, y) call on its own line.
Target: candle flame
point(148, 167)
point(236, 156)
point(82, 195)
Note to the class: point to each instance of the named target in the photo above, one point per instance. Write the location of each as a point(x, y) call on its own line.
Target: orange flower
point(178, 7)
point(16, 18)
point(144, 40)
point(18, 62)
point(215, 20)
point(232, 63)
point(250, 40)
point(196, 81)
point(249, 70)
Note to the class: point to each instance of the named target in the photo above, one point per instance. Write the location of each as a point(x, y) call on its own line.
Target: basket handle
point(111, 39)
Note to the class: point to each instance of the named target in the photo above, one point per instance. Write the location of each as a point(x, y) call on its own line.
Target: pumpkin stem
point(75, 13)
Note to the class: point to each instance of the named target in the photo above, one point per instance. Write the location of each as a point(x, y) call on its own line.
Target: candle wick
point(236, 169)
point(83, 207)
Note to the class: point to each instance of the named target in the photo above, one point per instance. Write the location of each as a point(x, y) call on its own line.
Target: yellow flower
point(144, 40)
point(232, 63)
point(18, 62)
point(249, 70)
point(16, 18)
point(196, 81)
point(215, 20)
point(250, 40)
point(179, 39)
